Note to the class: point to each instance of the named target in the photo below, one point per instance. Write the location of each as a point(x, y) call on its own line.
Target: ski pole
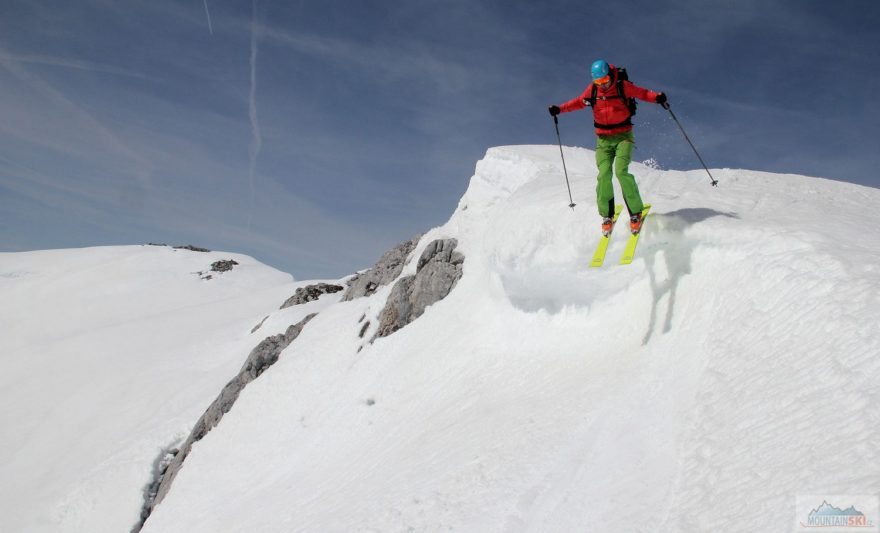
point(567, 184)
point(666, 107)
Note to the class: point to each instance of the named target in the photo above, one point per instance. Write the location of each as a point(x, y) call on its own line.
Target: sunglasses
point(603, 81)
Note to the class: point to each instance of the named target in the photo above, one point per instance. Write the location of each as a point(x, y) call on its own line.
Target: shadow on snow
point(676, 254)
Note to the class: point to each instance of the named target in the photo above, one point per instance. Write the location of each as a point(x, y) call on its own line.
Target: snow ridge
point(541, 395)
point(731, 367)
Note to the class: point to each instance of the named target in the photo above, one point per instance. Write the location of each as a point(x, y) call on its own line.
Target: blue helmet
point(599, 69)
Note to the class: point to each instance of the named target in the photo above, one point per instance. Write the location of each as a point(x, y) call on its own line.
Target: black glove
point(554, 110)
point(661, 99)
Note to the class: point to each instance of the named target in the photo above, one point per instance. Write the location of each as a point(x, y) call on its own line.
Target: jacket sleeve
point(577, 103)
point(631, 89)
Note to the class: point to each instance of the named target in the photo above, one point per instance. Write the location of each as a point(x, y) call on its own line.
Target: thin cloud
point(77, 64)
point(387, 64)
point(84, 121)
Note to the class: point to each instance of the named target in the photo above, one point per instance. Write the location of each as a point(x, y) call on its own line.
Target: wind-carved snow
point(729, 369)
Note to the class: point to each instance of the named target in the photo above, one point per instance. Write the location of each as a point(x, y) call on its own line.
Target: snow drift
point(731, 368)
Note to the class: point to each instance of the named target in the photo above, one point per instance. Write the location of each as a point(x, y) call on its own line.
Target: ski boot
point(607, 225)
point(635, 223)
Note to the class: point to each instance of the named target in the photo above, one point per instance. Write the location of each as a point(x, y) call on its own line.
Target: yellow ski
point(599, 256)
point(630, 249)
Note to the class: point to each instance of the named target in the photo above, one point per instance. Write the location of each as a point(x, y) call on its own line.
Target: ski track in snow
point(732, 367)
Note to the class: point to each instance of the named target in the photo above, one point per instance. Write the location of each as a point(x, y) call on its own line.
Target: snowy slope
point(108, 356)
point(732, 367)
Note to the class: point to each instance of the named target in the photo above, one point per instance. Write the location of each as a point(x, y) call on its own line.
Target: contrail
point(208, 14)
point(256, 139)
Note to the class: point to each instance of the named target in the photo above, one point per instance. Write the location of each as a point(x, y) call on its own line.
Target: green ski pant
point(617, 150)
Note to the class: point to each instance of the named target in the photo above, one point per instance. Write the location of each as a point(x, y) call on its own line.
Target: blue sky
point(314, 135)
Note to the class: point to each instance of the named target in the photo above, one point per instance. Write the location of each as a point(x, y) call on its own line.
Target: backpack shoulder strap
point(630, 102)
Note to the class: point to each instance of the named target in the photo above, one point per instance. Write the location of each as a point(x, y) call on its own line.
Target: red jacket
point(610, 109)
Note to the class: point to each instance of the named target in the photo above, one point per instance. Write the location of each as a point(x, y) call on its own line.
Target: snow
point(731, 368)
point(109, 355)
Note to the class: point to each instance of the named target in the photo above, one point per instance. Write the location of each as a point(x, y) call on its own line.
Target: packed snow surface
point(731, 368)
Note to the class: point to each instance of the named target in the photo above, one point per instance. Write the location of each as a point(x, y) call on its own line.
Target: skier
point(611, 97)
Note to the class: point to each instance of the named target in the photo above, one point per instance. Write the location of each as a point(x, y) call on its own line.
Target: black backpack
point(630, 102)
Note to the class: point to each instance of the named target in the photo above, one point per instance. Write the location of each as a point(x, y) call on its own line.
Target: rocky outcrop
point(310, 293)
point(160, 466)
point(386, 270)
point(438, 270)
point(262, 357)
point(221, 266)
point(258, 326)
point(224, 265)
point(191, 248)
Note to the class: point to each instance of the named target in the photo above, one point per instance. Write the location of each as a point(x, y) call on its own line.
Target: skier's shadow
point(677, 250)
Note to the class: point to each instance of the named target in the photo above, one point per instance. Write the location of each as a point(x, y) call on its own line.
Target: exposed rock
point(262, 357)
point(383, 272)
point(224, 265)
point(310, 293)
point(258, 326)
point(191, 248)
point(160, 466)
point(438, 270)
point(398, 310)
